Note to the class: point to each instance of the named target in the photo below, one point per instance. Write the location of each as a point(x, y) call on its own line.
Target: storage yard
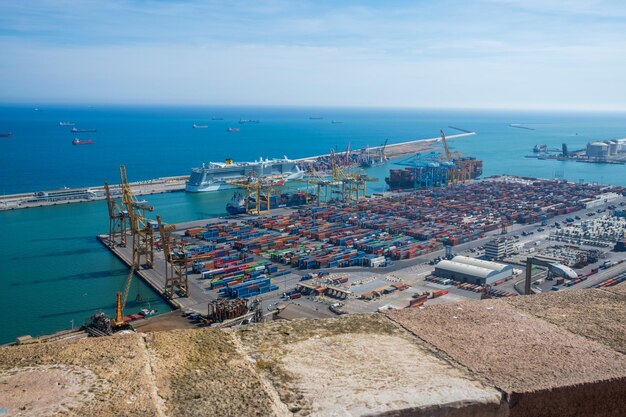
point(372, 254)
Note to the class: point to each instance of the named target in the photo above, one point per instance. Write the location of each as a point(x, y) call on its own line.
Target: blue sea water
point(53, 271)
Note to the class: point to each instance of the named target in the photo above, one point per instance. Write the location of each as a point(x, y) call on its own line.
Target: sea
point(54, 274)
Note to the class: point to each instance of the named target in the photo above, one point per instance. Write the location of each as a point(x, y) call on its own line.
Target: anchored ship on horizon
point(214, 176)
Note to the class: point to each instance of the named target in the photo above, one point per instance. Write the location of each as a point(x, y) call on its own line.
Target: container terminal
point(401, 250)
point(337, 250)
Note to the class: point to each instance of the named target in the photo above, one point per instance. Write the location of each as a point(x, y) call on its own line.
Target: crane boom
point(445, 145)
point(110, 201)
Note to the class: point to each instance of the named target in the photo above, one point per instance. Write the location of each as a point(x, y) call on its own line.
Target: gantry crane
point(346, 186)
point(142, 230)
point(176, 271)
point(258, 193)
point(117, 220)
point(354, 186)
point(464, 166)
point(143, 242)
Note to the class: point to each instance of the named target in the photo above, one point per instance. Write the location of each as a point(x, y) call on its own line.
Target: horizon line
point(35, 104)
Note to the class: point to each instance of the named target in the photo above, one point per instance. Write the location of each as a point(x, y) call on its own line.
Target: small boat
point(75, 130)
point(200, 126)
point(232, 129)
point(66, 124)
point(6, 135)
point(77, 141)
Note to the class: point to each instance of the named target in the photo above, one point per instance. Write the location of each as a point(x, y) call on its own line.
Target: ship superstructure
point(215, 176)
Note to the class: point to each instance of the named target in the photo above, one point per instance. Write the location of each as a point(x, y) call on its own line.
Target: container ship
point(237, 205)
point(435, 175)
point(214, 176)
point(82, 142)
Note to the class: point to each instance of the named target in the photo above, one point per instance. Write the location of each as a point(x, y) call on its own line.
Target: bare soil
point(201, 373)
point(97, 377)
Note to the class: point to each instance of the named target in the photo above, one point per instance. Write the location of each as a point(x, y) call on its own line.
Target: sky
point(496, 54)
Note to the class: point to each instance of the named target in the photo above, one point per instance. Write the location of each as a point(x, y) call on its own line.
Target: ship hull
point(217, 186)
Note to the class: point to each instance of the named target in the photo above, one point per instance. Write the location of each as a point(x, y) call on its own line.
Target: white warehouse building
point(474, 271)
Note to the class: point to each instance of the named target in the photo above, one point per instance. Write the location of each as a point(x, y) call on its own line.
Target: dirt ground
point(164, 322)
point(93, 377)
point(202, 372)
point(45, 390)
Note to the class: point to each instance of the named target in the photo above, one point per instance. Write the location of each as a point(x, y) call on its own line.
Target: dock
point(87, 194)
point(174, 183)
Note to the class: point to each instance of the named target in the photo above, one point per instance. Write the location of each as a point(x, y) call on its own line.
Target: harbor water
point(55, 274)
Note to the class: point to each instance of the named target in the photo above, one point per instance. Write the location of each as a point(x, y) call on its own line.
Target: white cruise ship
point(214, 176)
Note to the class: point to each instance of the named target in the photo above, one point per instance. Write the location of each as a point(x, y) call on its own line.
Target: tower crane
point(117, 220)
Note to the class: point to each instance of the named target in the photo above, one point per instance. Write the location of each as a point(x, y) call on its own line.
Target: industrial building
point(474, 271)
point(499, 248)
point(606, 148)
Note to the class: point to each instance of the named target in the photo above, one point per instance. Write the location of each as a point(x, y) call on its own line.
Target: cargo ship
point(77, 141)
point(75, 130)
point(200, 126)
point(540, 148)
point(232, 129)
point(214, 176)
point(237, 205)
point(435, 174)
point(244, 121)
point(66, 124)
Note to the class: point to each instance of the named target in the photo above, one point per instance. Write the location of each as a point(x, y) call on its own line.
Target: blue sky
point(550, 54)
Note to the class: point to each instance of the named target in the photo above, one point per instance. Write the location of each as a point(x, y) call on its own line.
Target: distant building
point(473, 271)
point(499, 248)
